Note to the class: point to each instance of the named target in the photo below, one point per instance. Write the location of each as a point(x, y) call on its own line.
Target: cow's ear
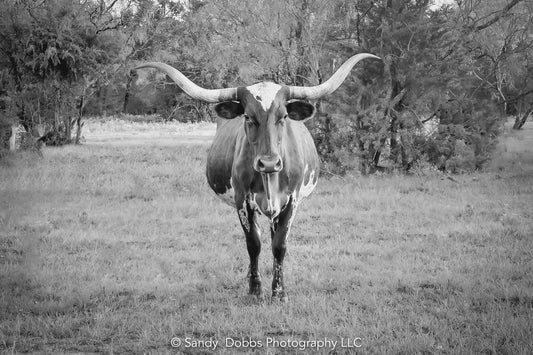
point(299, 110)
point(229, 109)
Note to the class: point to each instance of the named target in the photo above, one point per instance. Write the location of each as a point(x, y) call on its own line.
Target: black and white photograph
point(266, 177)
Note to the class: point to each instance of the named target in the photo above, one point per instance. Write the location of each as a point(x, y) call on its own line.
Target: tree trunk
point(520, 121)
point(13, 137)
point(302, 71)
point(68, 129)
point(79, 124)
point(128, 90)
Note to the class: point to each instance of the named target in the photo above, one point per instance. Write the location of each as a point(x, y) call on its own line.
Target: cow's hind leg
point(252, 232)
point(280, 230)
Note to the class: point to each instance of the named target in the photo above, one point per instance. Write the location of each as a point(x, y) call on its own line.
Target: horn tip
point(368, 55)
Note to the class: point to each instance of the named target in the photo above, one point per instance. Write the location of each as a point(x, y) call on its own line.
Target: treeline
point(449, 73)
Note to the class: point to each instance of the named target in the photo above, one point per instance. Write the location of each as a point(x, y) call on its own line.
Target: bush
point(462, 141)
point(465, 138)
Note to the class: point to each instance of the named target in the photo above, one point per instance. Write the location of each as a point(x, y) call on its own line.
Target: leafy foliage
point(53, 52)
point(63, 59)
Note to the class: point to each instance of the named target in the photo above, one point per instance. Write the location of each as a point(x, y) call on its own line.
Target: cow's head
point(266, 107)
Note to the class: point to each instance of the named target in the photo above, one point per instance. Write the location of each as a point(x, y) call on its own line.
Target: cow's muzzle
point(268, 164)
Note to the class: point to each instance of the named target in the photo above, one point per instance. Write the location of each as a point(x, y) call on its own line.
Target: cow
point(263, 160)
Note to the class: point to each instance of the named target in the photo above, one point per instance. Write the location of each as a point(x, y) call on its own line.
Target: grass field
point(118, 249)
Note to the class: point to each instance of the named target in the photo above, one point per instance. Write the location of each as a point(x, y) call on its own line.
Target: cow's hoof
point(254, 299)
point(255, 289)
point(280, 297)
point(256, 292)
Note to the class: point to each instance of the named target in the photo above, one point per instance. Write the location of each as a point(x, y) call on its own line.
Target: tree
point(383, 109)
point(500, 40)
point(54, 52)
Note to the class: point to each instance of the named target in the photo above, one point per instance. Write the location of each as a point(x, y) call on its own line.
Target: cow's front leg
point(252, 232)
point(280, 228)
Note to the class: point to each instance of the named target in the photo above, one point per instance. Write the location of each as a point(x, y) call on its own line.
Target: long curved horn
point(190, 88)
point(326, 88)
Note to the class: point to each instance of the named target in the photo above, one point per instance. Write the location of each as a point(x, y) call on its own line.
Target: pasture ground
point(120, 248)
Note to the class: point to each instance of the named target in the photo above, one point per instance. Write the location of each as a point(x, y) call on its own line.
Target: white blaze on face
point(307, 187)
point(264, 93)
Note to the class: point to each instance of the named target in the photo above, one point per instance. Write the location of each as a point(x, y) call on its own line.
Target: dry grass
point(119, 249)
point(122, 131)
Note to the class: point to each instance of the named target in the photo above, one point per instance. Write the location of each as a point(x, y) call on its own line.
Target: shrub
point(465, 138)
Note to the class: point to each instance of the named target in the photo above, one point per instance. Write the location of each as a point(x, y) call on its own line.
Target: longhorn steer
point(263, 159)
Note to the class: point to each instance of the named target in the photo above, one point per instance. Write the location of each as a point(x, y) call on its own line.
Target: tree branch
point(518, 97)
point(397, 99)
point(496, 18)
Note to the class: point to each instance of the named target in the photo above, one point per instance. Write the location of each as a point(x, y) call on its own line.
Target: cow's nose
point(268, 164)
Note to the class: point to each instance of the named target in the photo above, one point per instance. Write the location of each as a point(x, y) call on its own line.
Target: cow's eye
point(282, 119)
point(249, 120)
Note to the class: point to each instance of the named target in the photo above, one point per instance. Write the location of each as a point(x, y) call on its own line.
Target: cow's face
point(266, 112)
